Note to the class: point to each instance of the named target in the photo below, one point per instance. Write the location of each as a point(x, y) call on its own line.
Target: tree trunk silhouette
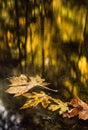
point(84, 47)
point(42, 36)
point(26, 34)
point(32, 56)
point(17, 31)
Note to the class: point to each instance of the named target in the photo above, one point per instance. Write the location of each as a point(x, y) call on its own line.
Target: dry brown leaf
point(17, 90)
point(22, 84)
point(20, 80)
point(80, 108)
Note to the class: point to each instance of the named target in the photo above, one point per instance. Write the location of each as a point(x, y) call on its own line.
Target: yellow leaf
point(53, 107)
point(58, 104)
point(45, 102)
point(36, 98)
point(30, 103)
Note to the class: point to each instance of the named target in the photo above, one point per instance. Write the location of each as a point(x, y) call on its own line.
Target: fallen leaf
point(36, 98)
point(22, 84)
point(58, 105)
point(79, 109)
point(20, 80)
point(17, 90)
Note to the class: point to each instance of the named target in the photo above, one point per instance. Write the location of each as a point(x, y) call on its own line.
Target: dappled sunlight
point(83, 67)
point(73, 73)
point(22, 21)
point(34, 43)
point(68, 84)
point(66, 17)
point(75, 90)
point(71, 89)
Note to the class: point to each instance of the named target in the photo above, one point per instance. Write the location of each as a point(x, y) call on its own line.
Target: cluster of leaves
point(22, 85)
point(46, 101)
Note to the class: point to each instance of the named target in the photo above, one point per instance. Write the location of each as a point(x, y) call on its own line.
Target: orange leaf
point(80, 108)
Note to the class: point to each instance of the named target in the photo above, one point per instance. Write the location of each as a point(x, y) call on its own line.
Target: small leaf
point(30, 103)
point(36, 98)
point(54, 107)
point(45, 102)
point(58, 105)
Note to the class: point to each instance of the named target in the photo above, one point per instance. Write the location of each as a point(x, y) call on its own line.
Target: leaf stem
point(48, 88)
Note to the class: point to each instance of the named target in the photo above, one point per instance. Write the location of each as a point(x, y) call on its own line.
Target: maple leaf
point(19, 90)
point(36, 98)
point(38, 81)
point(79, 109)
point(46, 101)
point(58, 105)
point(18, 80)
point(22, 84)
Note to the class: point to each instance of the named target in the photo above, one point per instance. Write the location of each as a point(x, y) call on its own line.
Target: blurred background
point(48, 38)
